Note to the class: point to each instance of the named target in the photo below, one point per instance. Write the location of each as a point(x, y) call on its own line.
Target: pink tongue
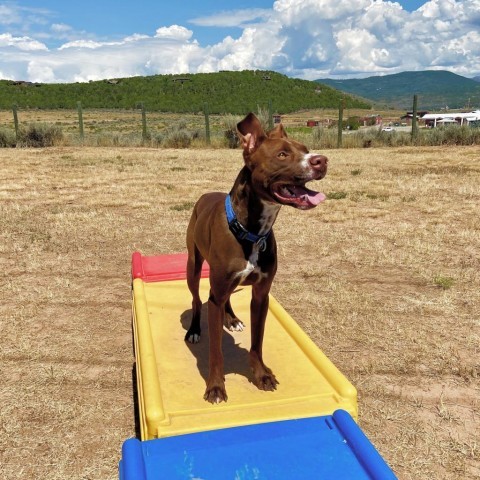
point(313, 198)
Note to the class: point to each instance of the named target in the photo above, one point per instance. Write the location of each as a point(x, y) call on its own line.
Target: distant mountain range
point(435, 90)
point(240, 92)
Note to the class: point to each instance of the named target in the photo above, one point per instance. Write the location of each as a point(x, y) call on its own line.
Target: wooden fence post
point(340, 123)
point(207, 123)
point(80, 120)
point(15, 120)
point(144, 123)
point(270, 115)
point(414, 120)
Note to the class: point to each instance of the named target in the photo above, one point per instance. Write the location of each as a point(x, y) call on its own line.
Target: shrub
point(352, 123)
point(324, 138)
point(230, 133)
point(264, 116)
point(40, 135)
point(7, 139)
point(455, 135)
point(451, 135)
point(157, 140)
point(178, 135)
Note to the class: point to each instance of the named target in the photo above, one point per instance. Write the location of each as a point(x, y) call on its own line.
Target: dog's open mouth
point(298, 196)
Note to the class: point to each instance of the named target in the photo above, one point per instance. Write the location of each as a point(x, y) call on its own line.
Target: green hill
point(435, 89)
point(225, 92)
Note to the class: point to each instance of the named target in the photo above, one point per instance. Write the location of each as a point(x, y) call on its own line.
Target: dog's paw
point(268, 382)
point(192, 337)
point(215, 395)
point(264, 378)
point(236, 326)
point(233, 324)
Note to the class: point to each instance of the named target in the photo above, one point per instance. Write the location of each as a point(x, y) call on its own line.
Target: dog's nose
point(318, 162)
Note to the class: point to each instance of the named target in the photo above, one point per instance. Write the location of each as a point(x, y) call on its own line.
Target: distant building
point(24, 83)
point(370, 120)
point(408, 117)
point(461, 118)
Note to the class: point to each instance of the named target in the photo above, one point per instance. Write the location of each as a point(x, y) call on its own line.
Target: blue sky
point(52, 40)
point(115, 19)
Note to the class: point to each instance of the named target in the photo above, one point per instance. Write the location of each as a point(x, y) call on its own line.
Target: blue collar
point(240, 232)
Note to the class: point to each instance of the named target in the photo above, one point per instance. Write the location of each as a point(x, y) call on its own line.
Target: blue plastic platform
point(331, 448)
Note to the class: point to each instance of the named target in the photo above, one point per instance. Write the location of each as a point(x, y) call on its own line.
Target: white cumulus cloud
point(20, 43)
point(302, 38)
point(40, 72)
point(174, 32)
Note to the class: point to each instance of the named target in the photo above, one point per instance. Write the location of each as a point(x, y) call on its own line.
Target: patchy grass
point(337, 195)
point(443, 282)
point(357, 274)
point(181, 207)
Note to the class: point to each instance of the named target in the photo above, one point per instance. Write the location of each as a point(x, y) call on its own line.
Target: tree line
point(225, 92)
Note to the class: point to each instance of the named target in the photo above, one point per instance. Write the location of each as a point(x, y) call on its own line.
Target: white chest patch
point(251, 266)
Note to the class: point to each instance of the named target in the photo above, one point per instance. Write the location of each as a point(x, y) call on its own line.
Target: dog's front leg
point(263, 376)
point(215, 392)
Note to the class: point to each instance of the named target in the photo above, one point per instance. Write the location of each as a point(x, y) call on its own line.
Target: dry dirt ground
point(384, 276)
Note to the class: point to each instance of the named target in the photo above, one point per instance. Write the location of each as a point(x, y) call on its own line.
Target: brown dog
point(234, 234)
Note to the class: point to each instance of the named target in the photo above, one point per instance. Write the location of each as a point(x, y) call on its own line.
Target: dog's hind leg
point(231, 321)
point(194, 270)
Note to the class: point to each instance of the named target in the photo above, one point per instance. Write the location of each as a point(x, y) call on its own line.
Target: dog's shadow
point(235, 356)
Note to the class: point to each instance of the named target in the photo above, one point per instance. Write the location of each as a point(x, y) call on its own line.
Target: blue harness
point(240, 232)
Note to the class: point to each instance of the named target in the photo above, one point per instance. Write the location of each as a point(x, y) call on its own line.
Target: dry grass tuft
point(384, 278)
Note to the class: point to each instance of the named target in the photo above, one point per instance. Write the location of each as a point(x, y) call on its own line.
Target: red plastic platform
point(163, 268)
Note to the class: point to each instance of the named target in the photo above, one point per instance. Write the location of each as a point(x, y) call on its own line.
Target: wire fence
point(139, 128)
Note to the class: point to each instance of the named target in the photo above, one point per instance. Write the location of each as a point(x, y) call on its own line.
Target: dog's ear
point(278, 132)
point(251, 133)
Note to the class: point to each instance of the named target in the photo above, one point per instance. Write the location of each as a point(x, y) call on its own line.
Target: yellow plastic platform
point(171, 373)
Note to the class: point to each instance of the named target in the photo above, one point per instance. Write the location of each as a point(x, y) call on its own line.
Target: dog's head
point(280, 167)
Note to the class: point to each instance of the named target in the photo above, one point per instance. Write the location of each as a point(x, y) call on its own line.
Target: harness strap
point(240, 232)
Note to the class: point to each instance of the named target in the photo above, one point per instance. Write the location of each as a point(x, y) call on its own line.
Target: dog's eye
point(282, 155)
